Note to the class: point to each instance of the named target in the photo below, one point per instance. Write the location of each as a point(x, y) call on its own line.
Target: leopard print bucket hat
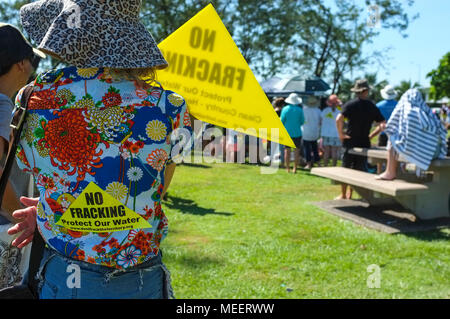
point(92, 33)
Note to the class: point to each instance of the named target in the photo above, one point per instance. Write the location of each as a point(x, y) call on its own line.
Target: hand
point(343, 137)
point(27, 225)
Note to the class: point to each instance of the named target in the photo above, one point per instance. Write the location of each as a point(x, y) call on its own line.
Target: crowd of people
point(330, 132)
point(79, 131)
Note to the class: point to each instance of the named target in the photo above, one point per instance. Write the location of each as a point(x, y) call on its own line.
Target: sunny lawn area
point(235, 233)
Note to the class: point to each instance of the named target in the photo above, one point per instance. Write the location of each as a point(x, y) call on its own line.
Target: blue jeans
point(64, 278)
point(311, 147)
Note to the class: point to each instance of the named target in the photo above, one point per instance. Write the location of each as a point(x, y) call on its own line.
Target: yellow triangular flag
point(207, 68)
point(97, 211)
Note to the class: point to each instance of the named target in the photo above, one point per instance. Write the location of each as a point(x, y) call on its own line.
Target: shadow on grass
point(431, 235)
point(392, 219)
point(195, 165)
point(196, 261)
point(187, 206)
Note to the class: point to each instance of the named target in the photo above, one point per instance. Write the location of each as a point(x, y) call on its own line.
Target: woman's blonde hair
point(142, 75)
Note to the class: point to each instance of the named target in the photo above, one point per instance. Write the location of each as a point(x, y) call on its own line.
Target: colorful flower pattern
point(84, 126)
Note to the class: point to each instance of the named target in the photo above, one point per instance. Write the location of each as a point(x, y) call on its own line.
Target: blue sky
point(413, 57)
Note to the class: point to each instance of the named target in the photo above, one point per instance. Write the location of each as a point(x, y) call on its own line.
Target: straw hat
point(92, 33)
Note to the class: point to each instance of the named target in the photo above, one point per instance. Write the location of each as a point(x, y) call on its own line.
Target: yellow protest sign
point(207, 68)
point(97, 211)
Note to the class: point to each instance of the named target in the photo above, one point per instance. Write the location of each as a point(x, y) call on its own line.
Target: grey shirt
point(19, 179)
point(6, 109)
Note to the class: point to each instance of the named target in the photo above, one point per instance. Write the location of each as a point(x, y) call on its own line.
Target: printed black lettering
point(171, 59)
point(204, 70)
point(86, 213)
point(203, 76)
point(190, 67)
point(208, 40)
point(94, 213)
point(216, 73)
point(180, 64)
point(241, 78)
point(196, 37)
point(89, 198)
point(101, 213)
point(98, 198)
point(72, 211)
point(79, 212)
point(113, 211)
point(228, 76)
point(121, 210)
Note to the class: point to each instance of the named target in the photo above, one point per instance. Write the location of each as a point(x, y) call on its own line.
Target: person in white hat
point(101, 123)
point(293, 118)
point(386, 107)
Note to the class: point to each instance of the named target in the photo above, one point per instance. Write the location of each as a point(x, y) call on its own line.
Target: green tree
point(294, 36)
point(331, 40)
point(440, 79)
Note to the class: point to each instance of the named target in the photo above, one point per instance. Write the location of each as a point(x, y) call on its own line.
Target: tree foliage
point(440, 79)
point(308, 37)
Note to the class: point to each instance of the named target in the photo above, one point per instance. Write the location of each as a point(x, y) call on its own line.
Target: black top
point(360, 114)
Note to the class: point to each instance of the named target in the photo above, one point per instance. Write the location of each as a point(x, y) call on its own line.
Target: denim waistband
point(50, 252)
point(108, 272)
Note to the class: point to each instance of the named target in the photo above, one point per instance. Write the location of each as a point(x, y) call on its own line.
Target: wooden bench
point(426, 198)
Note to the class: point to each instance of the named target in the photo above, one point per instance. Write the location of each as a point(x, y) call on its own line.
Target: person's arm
point(283, 117)
point(380, 128)
point(168, 174)
point(380, 122)
point(10, 201)
point(340, 127)
point(27, 224)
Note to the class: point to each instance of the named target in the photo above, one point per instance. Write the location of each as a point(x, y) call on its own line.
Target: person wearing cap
point(18, 60)
point(361, 113)
point(292, 118)
point(101, 128)
point(328, 131)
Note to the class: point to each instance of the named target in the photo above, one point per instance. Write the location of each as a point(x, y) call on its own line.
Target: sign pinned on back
point(97, 211)
point(208, 70)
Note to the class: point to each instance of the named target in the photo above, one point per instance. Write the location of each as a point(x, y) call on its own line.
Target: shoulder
point(350, 103)
point(5, 103)
point(381, 103)
point(173, 98)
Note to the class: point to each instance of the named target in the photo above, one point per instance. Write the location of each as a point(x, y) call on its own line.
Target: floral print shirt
point(82, 127)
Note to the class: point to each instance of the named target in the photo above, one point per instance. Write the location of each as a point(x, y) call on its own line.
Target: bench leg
point(435, 203)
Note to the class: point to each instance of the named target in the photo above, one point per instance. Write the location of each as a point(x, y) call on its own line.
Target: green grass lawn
point(235, 233)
